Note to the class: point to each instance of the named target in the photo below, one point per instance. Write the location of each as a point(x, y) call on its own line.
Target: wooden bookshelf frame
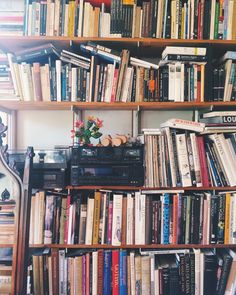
point(151, 246)
point(68, 105)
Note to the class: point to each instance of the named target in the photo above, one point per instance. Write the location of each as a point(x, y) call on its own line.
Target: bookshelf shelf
point(154, 246)
point(133, 188)
point(67, 105)
point(20, 42)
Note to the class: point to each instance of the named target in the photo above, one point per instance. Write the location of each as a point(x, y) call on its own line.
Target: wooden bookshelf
point(68, 105)
point(154, 246)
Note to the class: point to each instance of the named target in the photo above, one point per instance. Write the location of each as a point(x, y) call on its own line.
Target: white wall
point(45, 129)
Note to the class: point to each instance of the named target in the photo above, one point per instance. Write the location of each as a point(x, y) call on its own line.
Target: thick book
point(36, 53)
point(184, 50)
point(184, 124)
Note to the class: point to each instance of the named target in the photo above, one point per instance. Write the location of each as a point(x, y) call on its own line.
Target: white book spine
point(89, 223)
point(57, 18)
point(182, 83)
point(234, 220)
point(52, 16)
point(29, 29)
point(95, 272)
point(152, 274)
point(177, 82)
point(117, 220)
point(58, 80)
point(132, 273)
point(61, 271)
point(109, 81)
point(171, 81)
point(74, 84)
point(197, 271)
point(130, 220)
point(183, 160)
point(80, 22)
point(66, 20)
point(142, 219)
point(137, 217)
point(13, 73)
point(212, 23)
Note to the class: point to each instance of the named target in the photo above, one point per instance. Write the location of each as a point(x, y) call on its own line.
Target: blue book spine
point(26, 11)
point(226, 4)
point(166, 217)
point(107, 272)
point(123, 272)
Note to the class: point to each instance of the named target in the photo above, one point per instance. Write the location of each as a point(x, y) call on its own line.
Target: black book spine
point(210, 272)
point(214, 220)
point(154, 4)
point(168, 21)
point(187, 274)
point(227, 261)
point(221, 219)
point(166, 280)
point(206, 19)
point(173, 137)
point(165, 83)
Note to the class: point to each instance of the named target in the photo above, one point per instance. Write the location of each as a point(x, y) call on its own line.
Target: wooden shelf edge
point(135, 188)
point(112, 39)
point(67, 105)
point(156, 246)
point(6, 245)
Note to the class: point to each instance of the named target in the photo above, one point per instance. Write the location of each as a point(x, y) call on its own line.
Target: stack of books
point(11, 18)
point(182, 74)
point(188, 153)
point(6, 86)
point(224, 78)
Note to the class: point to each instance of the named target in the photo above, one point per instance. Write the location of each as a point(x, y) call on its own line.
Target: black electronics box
point(49, 167)
point(118, 166)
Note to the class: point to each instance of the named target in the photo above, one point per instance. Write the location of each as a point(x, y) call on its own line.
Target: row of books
point(76, 77)
point(6, 86)
point(133, 219)
point(158, 19)
point(177, 155)
point(12, 19)
point(224, 78)
point(122, 272)
point(7, 221)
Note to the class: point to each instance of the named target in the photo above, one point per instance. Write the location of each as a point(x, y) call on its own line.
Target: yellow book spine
point(227, 218)
point(96, 217)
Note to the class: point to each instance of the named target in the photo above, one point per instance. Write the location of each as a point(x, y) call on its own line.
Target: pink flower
point(79, 124)
point(99, 123)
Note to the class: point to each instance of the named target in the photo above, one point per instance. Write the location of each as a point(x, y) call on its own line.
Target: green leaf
point(97, 135)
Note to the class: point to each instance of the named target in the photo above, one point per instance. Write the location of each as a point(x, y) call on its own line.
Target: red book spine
point(67, 219)
point(83, 275)
point(109, 228)
point(203, 162)
point(55, 271)
point(175, 219)
point(87, 259)
point(100, 272)
point(114, 84)
point(199, 20)
point(115, 272)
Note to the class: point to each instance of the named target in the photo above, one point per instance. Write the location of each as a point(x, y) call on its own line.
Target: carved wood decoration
point(12, 188)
